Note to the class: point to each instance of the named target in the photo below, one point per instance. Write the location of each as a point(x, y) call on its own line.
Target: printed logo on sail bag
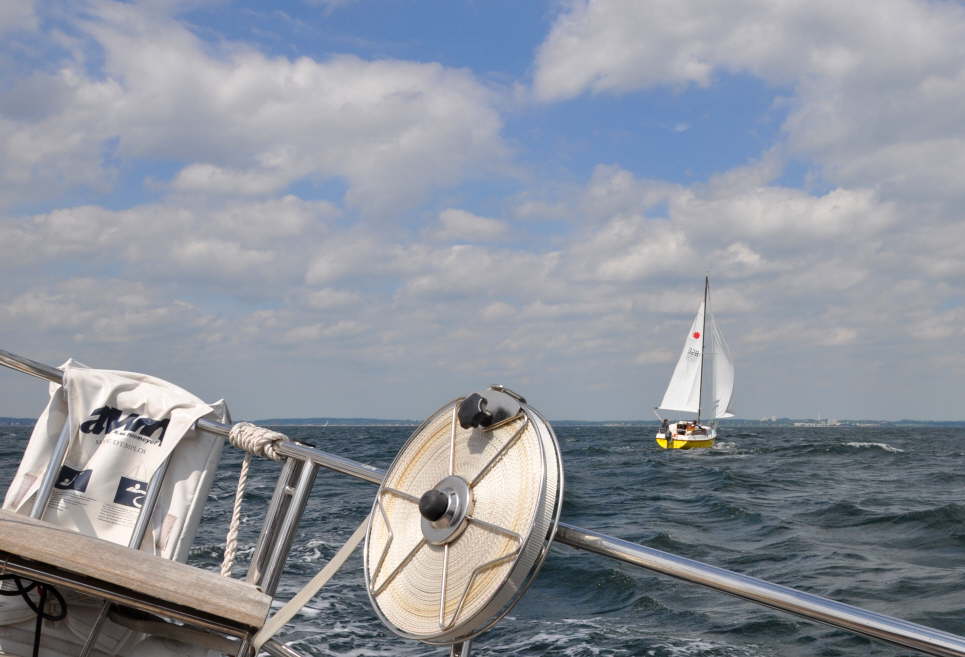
point(130, 492)
point(106, 420)
point(71, 479)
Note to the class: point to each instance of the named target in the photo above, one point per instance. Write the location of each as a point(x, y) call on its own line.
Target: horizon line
point(316, 420)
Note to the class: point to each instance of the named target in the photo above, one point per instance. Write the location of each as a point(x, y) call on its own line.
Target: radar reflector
point(464, 518)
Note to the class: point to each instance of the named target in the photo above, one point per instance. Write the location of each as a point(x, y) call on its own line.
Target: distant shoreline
point(791, 423)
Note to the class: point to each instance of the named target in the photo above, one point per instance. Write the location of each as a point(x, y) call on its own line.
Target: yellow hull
point(680, 443)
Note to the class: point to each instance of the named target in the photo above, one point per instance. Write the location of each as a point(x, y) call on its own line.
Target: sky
point(366, 208)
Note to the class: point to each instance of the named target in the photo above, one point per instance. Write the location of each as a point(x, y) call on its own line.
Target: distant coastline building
point(820, 423)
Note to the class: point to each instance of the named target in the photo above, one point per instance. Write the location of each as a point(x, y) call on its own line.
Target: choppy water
point(868, 516)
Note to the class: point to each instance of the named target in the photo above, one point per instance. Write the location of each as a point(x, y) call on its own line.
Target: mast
point(703, 339)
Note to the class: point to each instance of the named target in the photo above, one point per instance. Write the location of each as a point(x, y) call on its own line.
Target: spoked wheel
point(464, 518)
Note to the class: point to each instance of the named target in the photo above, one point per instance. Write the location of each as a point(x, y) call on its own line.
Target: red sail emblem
point(696, 335)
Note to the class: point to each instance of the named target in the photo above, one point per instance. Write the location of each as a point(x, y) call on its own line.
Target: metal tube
point(286, 531)
point(277, 508)
point(332, 462)
point(147, 508)
point(32, 367)
point(304, 453)
point(95, 630)
point(244, 650)
point(278, 649)
point(52, 472)
point(879, 626)
point(213, 427)
point(887, 628)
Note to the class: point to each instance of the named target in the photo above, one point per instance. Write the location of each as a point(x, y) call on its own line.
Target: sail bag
point(122, 426)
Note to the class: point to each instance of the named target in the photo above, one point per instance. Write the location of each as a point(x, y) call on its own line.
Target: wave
point(607, 637)
point(884, 446)
point(866, 517)
point(940, 523)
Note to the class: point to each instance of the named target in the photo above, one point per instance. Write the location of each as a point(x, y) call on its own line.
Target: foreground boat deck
point(45, 552)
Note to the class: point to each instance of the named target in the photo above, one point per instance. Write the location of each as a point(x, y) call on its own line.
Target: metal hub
point(458, 505)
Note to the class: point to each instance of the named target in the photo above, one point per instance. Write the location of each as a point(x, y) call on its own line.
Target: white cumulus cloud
point(873, 87)
point(461, 226)
point(241, 122)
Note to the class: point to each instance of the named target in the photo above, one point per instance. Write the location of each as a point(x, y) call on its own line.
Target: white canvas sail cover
point(723, 368)
point(122, 426)
point(683, 391)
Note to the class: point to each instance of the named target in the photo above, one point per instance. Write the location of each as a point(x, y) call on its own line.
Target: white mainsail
point(723, 368)
point(683, 391)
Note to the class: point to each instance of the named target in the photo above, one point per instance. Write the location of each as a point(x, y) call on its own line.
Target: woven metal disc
point(446, 581)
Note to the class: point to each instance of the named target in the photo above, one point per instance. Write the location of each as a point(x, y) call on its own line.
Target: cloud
point(577, 287)
point(498, 310)
point(621, 45)
point(213, 179)
point(220, 257)
point(461, 226)
point(474, 272)
point(17, 16)
point(784, 217)
point(531, 210)
point(938, 326)
point(615, 190)
point(326, 298)
point(872, 86)
point(289, 282)
point(629, 248)
point(257, 242)
point(240, 122)
point(738, 256)
point(355, 254)
point(820, 335)
point(88, 310)
point(654, 356)
point(314, 333)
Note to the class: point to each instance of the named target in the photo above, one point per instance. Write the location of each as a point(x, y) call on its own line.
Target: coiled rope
point(40, 607)
point(260, 442)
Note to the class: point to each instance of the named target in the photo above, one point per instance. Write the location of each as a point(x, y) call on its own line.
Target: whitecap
point(885, 446)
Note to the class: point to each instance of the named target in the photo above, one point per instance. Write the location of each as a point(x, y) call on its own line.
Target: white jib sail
point(723, 365)
point(683, 391)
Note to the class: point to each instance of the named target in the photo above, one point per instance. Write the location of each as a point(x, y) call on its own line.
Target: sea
point(870, 516)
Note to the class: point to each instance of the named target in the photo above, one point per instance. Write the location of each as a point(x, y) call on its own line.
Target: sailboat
point(685, 392)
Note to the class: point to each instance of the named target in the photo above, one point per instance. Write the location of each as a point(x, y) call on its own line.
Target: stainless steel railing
point(855, 619)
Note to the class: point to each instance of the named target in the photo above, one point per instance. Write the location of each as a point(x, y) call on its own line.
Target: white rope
point(303, 597)
point(254, 440)
point(231, 540)
point(257, 440)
